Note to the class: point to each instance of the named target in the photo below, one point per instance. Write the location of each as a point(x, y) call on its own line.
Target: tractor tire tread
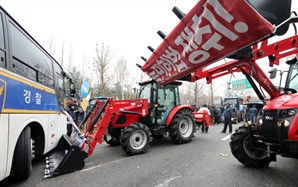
point(238, 151)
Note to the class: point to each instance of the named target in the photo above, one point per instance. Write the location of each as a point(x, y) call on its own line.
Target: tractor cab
point(291, 83)
point(161, 98)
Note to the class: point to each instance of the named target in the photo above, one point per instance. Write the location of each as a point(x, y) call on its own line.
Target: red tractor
point(156, 113)
point(133, 126)
point(216, 29)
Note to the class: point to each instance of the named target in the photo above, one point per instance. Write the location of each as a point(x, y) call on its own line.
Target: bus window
point(2, 59)
point(1, 33)
point(27, 52)
point(45, 80)
point(2, 53)
point(21, 69)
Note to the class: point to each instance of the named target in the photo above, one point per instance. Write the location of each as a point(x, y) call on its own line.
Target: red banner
point(212, 30)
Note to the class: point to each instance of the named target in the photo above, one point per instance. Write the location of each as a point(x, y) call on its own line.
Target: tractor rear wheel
point(182, 127)
point(238, 114)
point(135, 139)
point(244, 151)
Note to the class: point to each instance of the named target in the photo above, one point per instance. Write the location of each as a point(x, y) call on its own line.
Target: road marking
point(167, 181)
point(225, 138)
point(113, 162)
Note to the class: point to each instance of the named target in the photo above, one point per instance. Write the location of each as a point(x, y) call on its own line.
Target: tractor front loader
point(130, 123)
point(70, 152)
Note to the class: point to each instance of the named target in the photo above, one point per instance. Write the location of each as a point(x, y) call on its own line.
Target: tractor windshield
point(145, 92)
point(168, 96)
point(292, 80)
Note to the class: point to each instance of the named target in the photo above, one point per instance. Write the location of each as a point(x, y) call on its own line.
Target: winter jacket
point(212, 111)
point(228, 113)
point(218, 112)
point(253, 111)
point(71, 112)
point(204, 109)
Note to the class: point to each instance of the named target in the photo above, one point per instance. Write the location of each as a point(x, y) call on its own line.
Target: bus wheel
point(22, 158)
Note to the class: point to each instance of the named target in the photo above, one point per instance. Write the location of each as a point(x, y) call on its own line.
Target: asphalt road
point(206, 161)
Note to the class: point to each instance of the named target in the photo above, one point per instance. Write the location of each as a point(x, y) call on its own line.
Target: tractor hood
point(210, 31)
point(284, 101)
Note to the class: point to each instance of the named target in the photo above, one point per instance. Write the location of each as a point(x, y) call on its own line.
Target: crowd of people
point(224, 114)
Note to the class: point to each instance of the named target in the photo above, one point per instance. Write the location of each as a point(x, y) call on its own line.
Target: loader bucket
point(66, 158)
point(209, 32)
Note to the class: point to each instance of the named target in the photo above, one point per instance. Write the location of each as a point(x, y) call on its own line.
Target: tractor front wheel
point(244, 151)
point(182, 127)
point(135, 139)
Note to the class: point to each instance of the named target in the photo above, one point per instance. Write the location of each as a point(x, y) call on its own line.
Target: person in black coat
point(213, 114)
point(218, 115)
point(71, 112)
point(228, 114)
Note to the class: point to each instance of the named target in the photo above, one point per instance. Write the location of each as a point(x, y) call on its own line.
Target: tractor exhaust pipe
point(67, 157)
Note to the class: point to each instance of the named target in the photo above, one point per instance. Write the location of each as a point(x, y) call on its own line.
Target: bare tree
point(101, 64)
point(198, 88)
point(121, 73)
point(189, 93)
point(142, 76)
point(70, 58)
point(62, 55)
point(130, 86)
point(52, 46)
point(86, 67)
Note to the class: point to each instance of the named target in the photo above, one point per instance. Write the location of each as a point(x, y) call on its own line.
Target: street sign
point(84, 89)
point(241, 84)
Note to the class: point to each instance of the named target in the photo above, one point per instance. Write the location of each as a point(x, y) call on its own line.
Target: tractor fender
point(174, 111)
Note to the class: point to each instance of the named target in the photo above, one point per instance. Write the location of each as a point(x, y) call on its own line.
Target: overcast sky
point(127, 26)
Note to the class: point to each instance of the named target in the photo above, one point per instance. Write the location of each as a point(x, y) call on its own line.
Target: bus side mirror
point(72, 89)
point(272, 73)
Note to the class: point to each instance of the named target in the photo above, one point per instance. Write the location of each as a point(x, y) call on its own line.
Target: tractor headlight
point(260, 121)
point(285, 122)
point(286, 113)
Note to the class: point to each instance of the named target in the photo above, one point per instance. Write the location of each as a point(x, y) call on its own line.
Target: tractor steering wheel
point(171, 105)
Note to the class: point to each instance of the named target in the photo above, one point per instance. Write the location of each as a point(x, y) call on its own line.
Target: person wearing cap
point(71, 112)
point(202, 109)
point(79, 111)
point(228, 114)
point(253, 112)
